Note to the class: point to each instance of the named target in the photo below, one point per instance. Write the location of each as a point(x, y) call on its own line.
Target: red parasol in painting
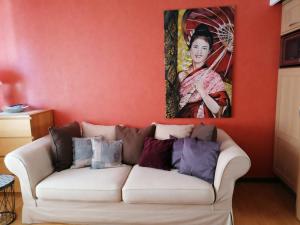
point(220, 23)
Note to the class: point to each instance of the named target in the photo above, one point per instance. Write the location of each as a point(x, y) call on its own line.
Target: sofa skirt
point(121, 213)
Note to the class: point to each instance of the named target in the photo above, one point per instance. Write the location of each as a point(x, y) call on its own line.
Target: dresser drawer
point(9, 144)
point(15, 128)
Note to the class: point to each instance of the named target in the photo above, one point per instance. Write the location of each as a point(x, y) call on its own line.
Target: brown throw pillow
point(133, 142)
point(62, 145)
point(205, 132)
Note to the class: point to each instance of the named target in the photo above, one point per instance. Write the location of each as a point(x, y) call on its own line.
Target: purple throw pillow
point(199, 159)
point(177, 152)
point(157, 153)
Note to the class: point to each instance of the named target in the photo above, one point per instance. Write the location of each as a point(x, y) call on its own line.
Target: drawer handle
point(293, 24)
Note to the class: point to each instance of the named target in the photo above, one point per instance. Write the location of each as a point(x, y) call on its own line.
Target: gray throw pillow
point(205, 132)
point(106, 153)
point(82, 152)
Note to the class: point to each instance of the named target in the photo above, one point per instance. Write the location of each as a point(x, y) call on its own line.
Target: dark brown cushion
point(205, 132)
point(62, 144)
point(133, 142)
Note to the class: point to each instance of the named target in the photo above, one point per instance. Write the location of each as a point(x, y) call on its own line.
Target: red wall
point(103, 61)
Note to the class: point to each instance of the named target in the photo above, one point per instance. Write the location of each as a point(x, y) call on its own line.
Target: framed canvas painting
point(199, 46)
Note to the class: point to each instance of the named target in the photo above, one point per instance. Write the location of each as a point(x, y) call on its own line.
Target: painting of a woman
point(202, 91)
point(198, 62)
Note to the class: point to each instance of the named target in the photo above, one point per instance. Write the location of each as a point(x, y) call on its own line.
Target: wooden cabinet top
point(290, 20)
point(22, 115)
point(33, 124)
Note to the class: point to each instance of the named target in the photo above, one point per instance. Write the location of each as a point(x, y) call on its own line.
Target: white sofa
point(125, 195)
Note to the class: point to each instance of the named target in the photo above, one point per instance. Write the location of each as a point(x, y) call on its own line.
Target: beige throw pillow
point(163, 131)
point(92, 130)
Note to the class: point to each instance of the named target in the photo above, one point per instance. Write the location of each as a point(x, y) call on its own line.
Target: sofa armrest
point(232, 164)
point(31, 163)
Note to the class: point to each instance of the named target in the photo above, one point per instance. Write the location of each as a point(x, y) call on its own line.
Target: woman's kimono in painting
point(191, 103)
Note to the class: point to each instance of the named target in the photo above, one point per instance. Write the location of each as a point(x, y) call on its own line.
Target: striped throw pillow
point(106, 153)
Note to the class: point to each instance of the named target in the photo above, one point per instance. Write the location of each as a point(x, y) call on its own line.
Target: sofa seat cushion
point(149, 185)
point(84, 184)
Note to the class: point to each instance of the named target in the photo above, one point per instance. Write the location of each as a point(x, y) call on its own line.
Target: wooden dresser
point(17, 129)
point(290, 18)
